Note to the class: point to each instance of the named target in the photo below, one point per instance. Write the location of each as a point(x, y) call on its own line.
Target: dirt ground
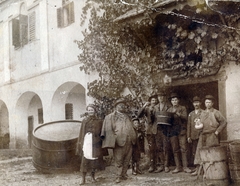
point(16, 169)
point(20, 171)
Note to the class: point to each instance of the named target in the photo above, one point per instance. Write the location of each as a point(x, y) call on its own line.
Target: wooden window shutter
point(15, 33)
point(71, 16)
point(59, 18)
point(68, 111)
point(40, 116)
point(32, 26)
point(23, 21)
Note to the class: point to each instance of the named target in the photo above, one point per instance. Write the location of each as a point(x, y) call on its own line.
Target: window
point(23, 29)
point(68, 111)
point(65, 14)
point(40, 116)
point(20, 31)
point(32, 26)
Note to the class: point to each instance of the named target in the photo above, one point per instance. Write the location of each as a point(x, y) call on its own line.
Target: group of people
point(167, 125)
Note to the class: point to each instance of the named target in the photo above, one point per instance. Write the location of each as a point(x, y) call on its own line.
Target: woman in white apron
point(89, 145)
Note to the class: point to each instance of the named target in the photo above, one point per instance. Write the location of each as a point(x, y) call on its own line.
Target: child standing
point(138, 147)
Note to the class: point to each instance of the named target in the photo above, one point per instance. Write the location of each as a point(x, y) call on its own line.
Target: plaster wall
point(18, 98)
point(233, 101)
point(64, 36)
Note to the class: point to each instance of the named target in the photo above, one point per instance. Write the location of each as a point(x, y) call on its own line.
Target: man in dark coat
point(160, 108)
point(118, 133)
point(151, 128)
point(192, 132)
point(178, 133)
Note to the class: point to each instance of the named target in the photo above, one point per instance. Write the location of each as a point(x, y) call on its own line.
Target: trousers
point(122, 156)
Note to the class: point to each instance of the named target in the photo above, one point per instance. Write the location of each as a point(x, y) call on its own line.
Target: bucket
point(235, 151)
point(234, 173)
point(54, 146)
point(164, 118)
point(214, 162)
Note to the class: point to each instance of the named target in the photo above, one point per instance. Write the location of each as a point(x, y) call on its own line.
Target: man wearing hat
point(118, 134)
point(192, 132)
point(162, 106)
point(151, 129)
point(178, 133)
point(213, 124)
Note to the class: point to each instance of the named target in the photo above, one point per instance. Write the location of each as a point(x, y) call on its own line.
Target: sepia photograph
point(119, 92)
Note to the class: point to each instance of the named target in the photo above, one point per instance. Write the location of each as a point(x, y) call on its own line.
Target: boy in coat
point(138, 148)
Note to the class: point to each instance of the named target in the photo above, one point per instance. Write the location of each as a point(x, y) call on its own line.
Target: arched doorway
point(68, 101)
point(4, 126)
point(29, 113)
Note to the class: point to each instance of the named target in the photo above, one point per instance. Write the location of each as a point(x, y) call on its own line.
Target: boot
point(151, 168)
point(134, 171)
point(83, 181)
point(177, 162)
point(195, 173)
point(159, 169)
point(166, 163)
point(166, 169)
point(161, 161)
point(185, 163)
point(138, 170)
point(124, 175)
point(93, 177)
point(152, 161)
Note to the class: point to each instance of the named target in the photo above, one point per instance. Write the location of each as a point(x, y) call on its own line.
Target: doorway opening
point(187, 92)
point(30, 130)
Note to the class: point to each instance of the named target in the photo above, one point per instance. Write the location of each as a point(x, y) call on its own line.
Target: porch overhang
point(162, 7)
point(227, 7)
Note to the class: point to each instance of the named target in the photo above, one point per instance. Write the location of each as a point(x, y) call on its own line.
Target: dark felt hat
point(121, 100)
point(174, 95)
point(210, 97)
point(161, 93)
point(153, 96)
point(135, 118)
point(92, 106)
point(196, 98)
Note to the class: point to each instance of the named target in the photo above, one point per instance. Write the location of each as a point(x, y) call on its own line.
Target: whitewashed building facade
point(40, 80)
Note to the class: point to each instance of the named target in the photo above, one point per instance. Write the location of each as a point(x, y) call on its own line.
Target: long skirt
point(90, 163)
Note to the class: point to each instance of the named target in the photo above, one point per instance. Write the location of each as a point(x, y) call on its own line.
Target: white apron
point(87, 146)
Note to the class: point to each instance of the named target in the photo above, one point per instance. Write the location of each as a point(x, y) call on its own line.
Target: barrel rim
point(211, 147)
point(52, 122)
point(235, 142)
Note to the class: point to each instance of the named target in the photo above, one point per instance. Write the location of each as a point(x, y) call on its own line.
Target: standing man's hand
point(146, 104)
point(216, 133)
point(189, 140)
point(178, 113)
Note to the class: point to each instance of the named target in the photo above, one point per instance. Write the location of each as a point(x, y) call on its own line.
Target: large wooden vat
point(54, 145)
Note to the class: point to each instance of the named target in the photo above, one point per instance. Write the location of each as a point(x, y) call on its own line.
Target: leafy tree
point(137, 55)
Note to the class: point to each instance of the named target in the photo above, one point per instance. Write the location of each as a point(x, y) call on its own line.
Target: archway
point(29, 113)
point(4, 126)
point(68, 101)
